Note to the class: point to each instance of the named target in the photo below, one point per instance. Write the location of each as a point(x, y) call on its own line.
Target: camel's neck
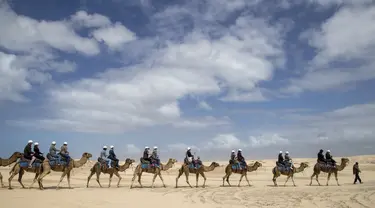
point(5, 162)
point(209, 168)
point(253, 167)
point(168, 165)
point(341, 166)
point(79, 163)
point(124, 166)
point(300, 169)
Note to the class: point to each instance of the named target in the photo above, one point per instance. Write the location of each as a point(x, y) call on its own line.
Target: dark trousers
point(357, 178)
point(66, 157)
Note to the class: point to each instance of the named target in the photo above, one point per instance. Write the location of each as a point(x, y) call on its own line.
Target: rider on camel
point(37, 153)
point(28, 153)
point(198, 161)
point(64, 153)
point(189, 158)
point(104, 156)
point(112, 156)
point(288, 160)
point(155, 156)
point(330, 159)
point(280, 159)
point(241, 159)
point(53, 152)
point(321, 158)
point(146, 154)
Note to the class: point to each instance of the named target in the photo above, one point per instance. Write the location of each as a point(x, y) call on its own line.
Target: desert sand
point(262, 193)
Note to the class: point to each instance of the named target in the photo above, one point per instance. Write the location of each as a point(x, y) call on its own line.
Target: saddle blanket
point(53, 163)
point(191, 165)
point(25, 164)
point(147, 165)
point(237, 167)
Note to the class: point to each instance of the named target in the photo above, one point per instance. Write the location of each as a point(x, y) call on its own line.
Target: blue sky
point(218, 75)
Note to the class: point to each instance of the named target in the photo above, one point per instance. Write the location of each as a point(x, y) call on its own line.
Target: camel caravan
point(33, 161)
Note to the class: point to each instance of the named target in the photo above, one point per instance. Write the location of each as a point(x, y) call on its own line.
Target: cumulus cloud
point(204, 105)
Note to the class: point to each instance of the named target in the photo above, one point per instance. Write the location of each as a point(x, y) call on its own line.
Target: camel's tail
point(14, 167)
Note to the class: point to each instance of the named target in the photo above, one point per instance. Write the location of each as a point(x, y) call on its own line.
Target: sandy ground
point(262, 193)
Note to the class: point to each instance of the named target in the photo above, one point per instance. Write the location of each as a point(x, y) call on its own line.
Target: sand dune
point(260, 194)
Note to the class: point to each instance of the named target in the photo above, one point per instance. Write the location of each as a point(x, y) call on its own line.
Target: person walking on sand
point(356, 172)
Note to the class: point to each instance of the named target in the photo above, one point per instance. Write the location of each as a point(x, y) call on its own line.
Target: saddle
point(104, 164)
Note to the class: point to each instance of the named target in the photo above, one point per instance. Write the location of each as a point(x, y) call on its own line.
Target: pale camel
point(17, 169)
point(64, 169)
point(318, 167)
point(155, 170)
point(199, 171)
point(97, 168)
point(6, 162)
point(243, 172)
point(290, 174)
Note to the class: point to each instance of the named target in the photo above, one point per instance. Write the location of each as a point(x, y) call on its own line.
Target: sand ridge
point(262, 193)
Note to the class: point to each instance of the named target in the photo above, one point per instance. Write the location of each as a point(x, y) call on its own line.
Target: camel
point(318, 167)
point(199, 171)
point(97, 169)
point(290, 174)
point(6, 162)
point(229, 170)
point(64, 169)
point(17, 169)
point(155, 170)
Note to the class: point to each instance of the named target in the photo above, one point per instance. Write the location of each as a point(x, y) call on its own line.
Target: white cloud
point(204, 105)
point(83, 19)
point(224, 141)
point(346, 47)
point(114, 35)
point(131, 149)
point(267, 140)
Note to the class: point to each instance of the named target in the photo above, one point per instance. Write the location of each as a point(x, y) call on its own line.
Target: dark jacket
point(240, 158)
point(287, 158)
point(356, 169)
point(188, 154)
point(328, 156)
point(233, 156)
point(112, 154)
point(27, 151)
point(145, 154)
point(37, 151)
point(321, 157)
point(281, 158)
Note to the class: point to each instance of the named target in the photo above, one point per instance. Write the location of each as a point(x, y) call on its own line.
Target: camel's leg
point(293, 180)
point(224, 178)
point(328, 177)
point(153, 180)
point(14, 173)
point(247, 180)
point(311, 178)
point(110, 179)
point(89, 178)
point(239, 182)
point(180, 172)
point(197, 178)
point(98, 172)
point(119, 178)
point(61, 179)
point(162, 180)
point(20, 175)
point(204, 179)
point(40, 179)
point(1, 181)
point(133, 179)
point(228, 175)
point(287, 179)
point(274, 179)
point(187, 178)
point(140, 179)
point(337, 180)
point(35, 179)
point(68, 177)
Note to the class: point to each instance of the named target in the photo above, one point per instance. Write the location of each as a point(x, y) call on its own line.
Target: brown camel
point(319, 167)
point(229, 170)
point(155, 170)
point(290, 174)
point(6, 162)
point(64, 169)
point(199, 171)
point(17, 169)
point(97, 168)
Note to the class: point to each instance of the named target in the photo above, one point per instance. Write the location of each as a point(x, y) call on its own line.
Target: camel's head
point(172, 160)
point(304, 165)
point(87, 155)
point(257, 164)
point(129, 161)
point(344, 160)
point(215, 164)
point(17, 154)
